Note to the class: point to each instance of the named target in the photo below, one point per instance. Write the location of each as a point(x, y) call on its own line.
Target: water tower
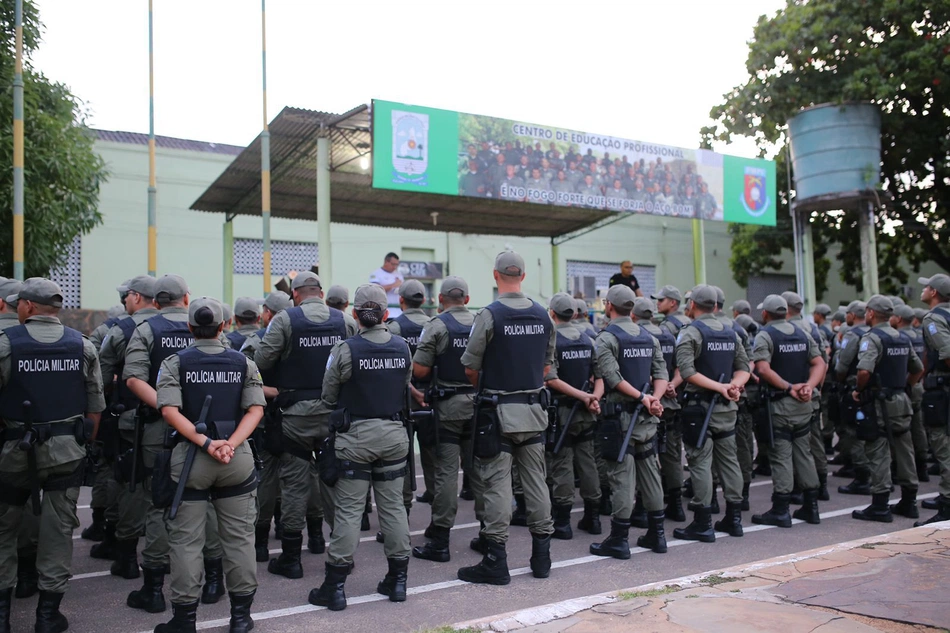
point(836, 161)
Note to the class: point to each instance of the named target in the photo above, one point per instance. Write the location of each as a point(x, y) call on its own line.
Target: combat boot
point(606, 507)
point(437, 547)
point(745, 496)
point(778, 514)
point(48, 617)
point(492, 570)
point(261, 536)
point(214, 581)
point(149, 598)
point(105, 550)
point(809, 510)
point(615, 545)
point(731, 524)
point(590, 522)
point(638, 517)
point(907, 506)
point(796, 498)
point(184, 619)
point(922, 475)
point(315, 541)
point(394, 583)
point(674, 505)
point(943, 513)
point(241, 621)
point(331, 594)
point(288, 563)
point(861, 484)
point(714, 500)
point(562, 522)
point(126, 564)
point(520, 515)
point(878, 511)
point(26, 576)
point(930, 504)
point(97, 529)
point(700, 529)
point(655, 538)
point(479, 544)
point(6, 604)
point(823, 487)
point(540, 561)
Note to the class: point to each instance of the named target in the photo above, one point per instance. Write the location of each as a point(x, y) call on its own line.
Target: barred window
point(67, 276)
point(285, 256)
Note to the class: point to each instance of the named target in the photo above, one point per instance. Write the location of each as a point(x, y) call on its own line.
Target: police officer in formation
point(745, 428)
point(936, 398)
point(247, 314)
point(902, 321)
point(846, 369)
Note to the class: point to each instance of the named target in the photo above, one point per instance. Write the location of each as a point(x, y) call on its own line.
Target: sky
point(647, 71)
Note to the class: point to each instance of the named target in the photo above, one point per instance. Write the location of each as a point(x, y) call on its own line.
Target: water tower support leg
point(868, 249)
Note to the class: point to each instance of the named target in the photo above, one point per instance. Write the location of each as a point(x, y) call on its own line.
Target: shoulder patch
point(864, 346)
point(844, 342)
point(932, 328)
point(329, 360)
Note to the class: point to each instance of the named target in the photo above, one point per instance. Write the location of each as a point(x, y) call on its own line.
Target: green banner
point(439, 151)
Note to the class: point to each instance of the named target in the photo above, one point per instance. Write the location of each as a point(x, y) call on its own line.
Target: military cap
point(838, 316)
point(823, 309)
point(939, 282)
point(9, 287)
point(669, 292)
point(857, 308)
point(247, 308)
point(742, 307)
point(919, 314)
point(277, 301)
point(226, 312)
point(123, 287)
point(115, 311)
point(747, 323)
point(39, 290)
point(143, 284)
point(643, 308)
point(337, 294)
point(774, 304)
point(793, 299)
point(454, 287)
point(305, 278)
point(205, 311)
point(509, 263)
point(897, 301)
point(622, 297)
point(582, 307)
point(370, 293)
point(172, 287)
point(563, 305)
point(905, 312)
point(881, 305)
point(704, 296)
point(413, 289)
point(720, 295)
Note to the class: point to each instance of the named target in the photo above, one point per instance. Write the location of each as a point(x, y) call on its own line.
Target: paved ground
point(96, 600)
point(894, 583)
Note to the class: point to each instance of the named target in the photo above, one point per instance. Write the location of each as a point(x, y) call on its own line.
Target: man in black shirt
point(626, 278)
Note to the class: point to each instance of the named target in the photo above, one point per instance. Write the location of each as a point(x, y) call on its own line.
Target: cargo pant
point(719, 452)
point(454, 446)
point(918, 432)
point(791, 455)
point(817, 441)
point(639, 470)
point(897, 442)
point(578, 448)
point(296, 475)
point(671, 460)
point(745, 437)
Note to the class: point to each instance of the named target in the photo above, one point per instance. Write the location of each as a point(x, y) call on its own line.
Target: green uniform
point(745, 434)
point(99, 334)
point(817, 440)
point(671, 461)
point(847, 354)
point(936, 331)
point(58, 460)
point(917, 429)
point(236, 515)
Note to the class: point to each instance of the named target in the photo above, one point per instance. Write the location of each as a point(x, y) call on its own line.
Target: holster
point(273, 432)
point(867, 430)
point(328, 464)
point(692, 416)
point(487, 440)
point(123, 466)
point(610, 437)
point(340, 421)
point(935, 408)
point(163, 487)
point(427, 428)
point(554, 429)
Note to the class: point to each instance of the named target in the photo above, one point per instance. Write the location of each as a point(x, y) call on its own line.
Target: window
point(285, 256)
point(67, 275)
point(588, 277)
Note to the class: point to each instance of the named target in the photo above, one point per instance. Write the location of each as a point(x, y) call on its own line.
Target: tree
point(62, 172)
point(893, 53)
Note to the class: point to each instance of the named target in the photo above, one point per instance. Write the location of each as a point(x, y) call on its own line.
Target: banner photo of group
point(422, 149)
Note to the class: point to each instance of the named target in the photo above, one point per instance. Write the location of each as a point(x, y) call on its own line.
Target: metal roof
point(168, 142)
point(353, 200)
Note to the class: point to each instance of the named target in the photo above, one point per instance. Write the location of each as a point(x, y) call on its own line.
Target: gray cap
point(172, 287)
point(582, 307)
point(621, 296)
point(337, 294)
point(939, 282)
point(277, 301)
point(413, 289)
point(823, 309)
point(305, 278)
point(838, 316)
point(720, 295)
point(123, 287)
point(205, 311)
point(509, 263)
point(774, 304)
point(704, 296)
point(905, 312)
point(747, 323)
point(919, 314)
point(563, 305)
point(857, 308)
point(793, 299)
point(247, 308)
point(643, 308)
point(454, 287)
point(38, 290)
point(669, 292)
point(143, 284)
point(881, 305)
point(115, 311)
point(742, 307)
point(370, 293)
point(9, 287)
point(226, 312)
point(897, 301)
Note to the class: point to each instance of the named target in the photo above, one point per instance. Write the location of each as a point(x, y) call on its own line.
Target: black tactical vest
point(891, 370)
point(237, 339)
point(409, 330)
point(827, 331)
point(916, 341)
point(933, 354)
point(859, 332)
point(789, 354)
point(636, 355)
point(667, 347)
point(310, 345)
point(168, 338)
point(377, 385)
point(450, 362)
point(220, 376)
point(514, 359)
point(717, 352)
point(49, 375)
point(741, 331)
point(574, 359)
point(124, 395)
point(677, 321)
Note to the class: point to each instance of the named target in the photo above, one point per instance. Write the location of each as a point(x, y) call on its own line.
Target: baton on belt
point(28, 445)
point(201, 426)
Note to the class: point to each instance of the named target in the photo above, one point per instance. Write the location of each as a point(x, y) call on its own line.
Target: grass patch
point(651, 593)
point(715, 579)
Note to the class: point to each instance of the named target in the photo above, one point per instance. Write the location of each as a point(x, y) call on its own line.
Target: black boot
point(288, 563)
point(425, 497)
point(861, 484)
point(261, 536)
point(6, 603)
point(731, 524)
point(823, 487)
point(149, 598)
point(479, 544)
point(878, 511)
point(331, 594)
point(214, 581)
point(778, 514)
point(674, 505)
point(590, 522)
point(615, 545)
point(745, 496)
point(562, 522)
point(930, 504)
point(26, 576)
point(466, 492)
point(700, 529)
point(394, 584)
point(437, 547)
point(943, 512)
point(492, 570)
point(809, 510)
point(907, 506)
point(714, 500)
point(847, 470)
point(922, 475)
point(105, 550)
point(540, 561)
point(97, 530)
point(241, 621)
point(520, 515)
point(688, 488)
point(638, 517)
point(48, 617)
point(606, 507)
point(655, 538)
point(278, 524)
point(796, 498)
point(126, 564)
point(184, 618)
point(315, 541)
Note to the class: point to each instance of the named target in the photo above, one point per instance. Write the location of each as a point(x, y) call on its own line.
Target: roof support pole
point(227, 291)
point(152, 189)
point(699, 252)
point(555, 268)
point(325, 251)
point(18, 144)
point(265, 161)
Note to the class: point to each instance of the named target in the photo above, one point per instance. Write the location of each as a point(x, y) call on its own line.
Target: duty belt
point(447, 392)
point(936, 383)
point(395, 417)
point(42, 432)
point(626, 406)
point(698, 396)
point(288, 398)
point(225, 492)
point(520, 398)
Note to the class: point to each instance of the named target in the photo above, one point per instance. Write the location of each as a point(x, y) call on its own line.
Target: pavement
point(893, 583)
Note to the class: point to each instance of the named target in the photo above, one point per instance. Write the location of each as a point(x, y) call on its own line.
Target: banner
point(452, 153)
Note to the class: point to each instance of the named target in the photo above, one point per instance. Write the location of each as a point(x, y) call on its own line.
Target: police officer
point(222, 471)
point(822, 316)
point(578, 400)
point(338, 297)
point(247, 314)
point(790, 367)
point(115, 314)
point(887, 367)
point(296, 346)
point(582, 321)
point(50, 359)
point(630, 360)
point(902, 321)
point(366, 381)
point(441, 346)
point(936, 399)
point(846, 369)
point(512, 344)
point(706, 350)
